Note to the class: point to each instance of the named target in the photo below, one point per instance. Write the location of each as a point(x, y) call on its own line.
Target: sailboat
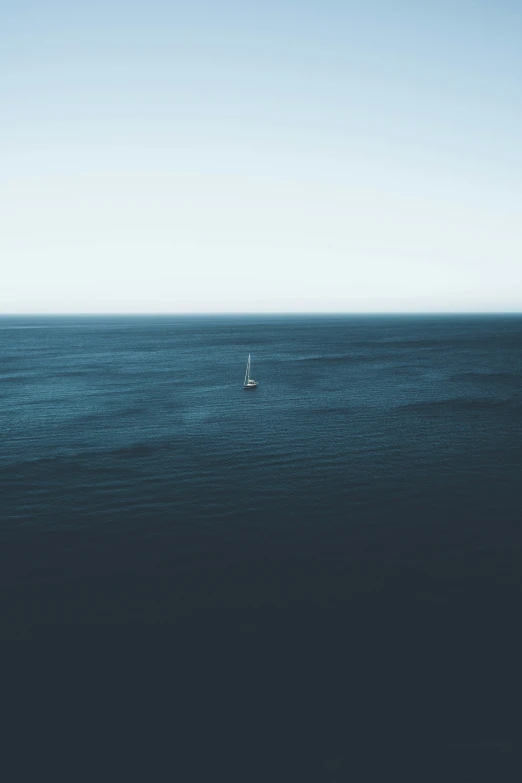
point(249, 383)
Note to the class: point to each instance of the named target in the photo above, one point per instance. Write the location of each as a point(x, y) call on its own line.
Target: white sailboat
point(249, 383)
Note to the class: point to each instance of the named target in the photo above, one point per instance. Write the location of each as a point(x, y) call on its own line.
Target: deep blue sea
point(329, 562)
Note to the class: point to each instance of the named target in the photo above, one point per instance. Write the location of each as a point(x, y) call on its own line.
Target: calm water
point(352, 524)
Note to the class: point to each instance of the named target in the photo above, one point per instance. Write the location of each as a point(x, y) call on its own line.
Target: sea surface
point(333, 560)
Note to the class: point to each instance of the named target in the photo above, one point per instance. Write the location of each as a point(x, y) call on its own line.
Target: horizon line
point(232, 313)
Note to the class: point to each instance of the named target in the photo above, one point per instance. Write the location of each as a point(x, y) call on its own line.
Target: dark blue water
point(343, 543)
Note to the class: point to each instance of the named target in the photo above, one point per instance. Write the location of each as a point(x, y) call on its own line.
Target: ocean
point(321, 570)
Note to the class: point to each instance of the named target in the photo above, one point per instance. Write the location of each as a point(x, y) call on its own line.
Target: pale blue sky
point(268, 156)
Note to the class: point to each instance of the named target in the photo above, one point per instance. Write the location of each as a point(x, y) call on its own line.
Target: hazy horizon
point(251, 314)
point(237, 158)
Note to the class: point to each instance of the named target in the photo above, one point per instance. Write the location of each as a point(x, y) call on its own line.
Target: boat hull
point(250, 385)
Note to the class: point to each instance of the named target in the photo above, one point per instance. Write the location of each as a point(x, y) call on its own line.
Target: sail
point(247, 373)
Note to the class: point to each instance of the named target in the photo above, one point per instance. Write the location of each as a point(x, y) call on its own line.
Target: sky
point(275, 156)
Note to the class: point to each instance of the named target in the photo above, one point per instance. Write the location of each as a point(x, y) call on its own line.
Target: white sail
point(248, 382)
